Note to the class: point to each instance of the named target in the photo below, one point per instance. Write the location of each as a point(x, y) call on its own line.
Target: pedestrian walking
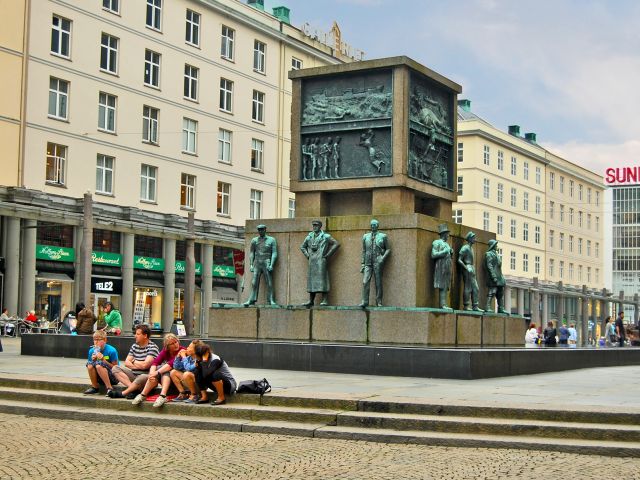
point(550, 334)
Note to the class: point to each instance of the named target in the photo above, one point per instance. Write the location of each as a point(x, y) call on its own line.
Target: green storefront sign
point(227, 271)
point(148, 263)
point(106, 258)
point(181, 267)
point(57, 254)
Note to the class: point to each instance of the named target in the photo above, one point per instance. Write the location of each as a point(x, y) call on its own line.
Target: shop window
point(144, 246)
point(181, 250)
point(222, 256)
point(106, 241)
point(56, 235)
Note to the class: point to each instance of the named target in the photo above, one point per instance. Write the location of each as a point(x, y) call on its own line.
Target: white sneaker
point(160, 401)
point(138, 400)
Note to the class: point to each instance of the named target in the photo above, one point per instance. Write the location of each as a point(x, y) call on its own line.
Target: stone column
point(207, 290)
point(582, 338)
point(535, 302)
point(28, 271)
point(12, 267)
point(604, 311)
point(77, 242)
point(520, 301)
point(507, 299)
point(636, 314)
point(545, 309)
point(169, 283)
point(560, 304)
point(190, 277)
point(126, 305)
point(83, 275)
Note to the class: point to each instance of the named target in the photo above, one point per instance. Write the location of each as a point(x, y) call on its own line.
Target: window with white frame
point(58, 98)
point(525, 202)
point(257, 107)
point(485, 221)
point(191, 82)
point(551, 238)
point(571, 271)
point(571, 243)
point(296, 63)
point(60, 36)
point(187, 191)
point(579, 273)
point(588, 195)
point(588, 221)
point(500, 160)
point(562, 213)
point(514, 197)
point(107, 112)
point(525, 262)
point(571, 185)
point(148, 179)
point(551, 209)
point(536, 234)
point(56, 163)
point(226, 44)
point(109, 53)
point(588, 248)
point(597, 275)
point(561, 269)
point(154, 14)
point(588, 274)
point(457, 216)
point(561, 242)
point(580, 192)
point(538, 175)
point(485, 188)
point(512, 262)
point(579, 246)
point(150, 124)
point(561, 184)
point(525, 232)
point(538, 205)
point(551, 267)
point(255, 204)
point(580, 219)
point(151, 68)
point(499, 224)
point(224, 145)
point(571, 216)
point(257, 154)
point(597, 224)
point(536, 265)
point(525, 170)
point(513, 228)
point(552, 180)
point(292, 208)
point(112, 6)
point(597, 198)
point(104, 174)
point(514, 166)
point(460, 151)
point(459, 184)
point(192, 29)
point(226, 95)
point(500, 193)
point(486, 155)
point(259, 56)
point(224, 198)
point(189, 135)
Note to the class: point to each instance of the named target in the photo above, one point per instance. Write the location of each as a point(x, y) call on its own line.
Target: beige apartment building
point(157, 108)
point(546, 213)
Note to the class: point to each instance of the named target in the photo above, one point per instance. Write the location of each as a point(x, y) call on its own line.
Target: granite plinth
point(347, 324)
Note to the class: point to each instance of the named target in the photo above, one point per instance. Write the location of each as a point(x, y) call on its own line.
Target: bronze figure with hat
point(466, 260)
point(442, 254)
point(495, 279)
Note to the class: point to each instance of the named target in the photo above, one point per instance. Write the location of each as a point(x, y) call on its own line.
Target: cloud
point(597, 156)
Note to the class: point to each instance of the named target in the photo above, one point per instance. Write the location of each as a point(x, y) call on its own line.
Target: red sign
point(622, 175)
point(238, 261)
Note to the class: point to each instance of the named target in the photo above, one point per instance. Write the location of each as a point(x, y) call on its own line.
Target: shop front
point(148, 291)
point(178, 298)
point(54, 282)
point(106, 281)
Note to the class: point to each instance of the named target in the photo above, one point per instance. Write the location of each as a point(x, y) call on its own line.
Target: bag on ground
point(259, 387)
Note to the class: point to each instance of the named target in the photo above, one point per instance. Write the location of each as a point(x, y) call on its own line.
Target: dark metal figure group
point(321, 160)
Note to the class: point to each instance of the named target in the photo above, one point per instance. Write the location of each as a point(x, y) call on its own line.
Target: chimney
point(514, 130)
point(257, 4)
point(282, 14)
point(530, 137)
point(465, 104)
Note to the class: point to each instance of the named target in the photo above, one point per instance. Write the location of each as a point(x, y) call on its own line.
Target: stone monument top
point(373, 137)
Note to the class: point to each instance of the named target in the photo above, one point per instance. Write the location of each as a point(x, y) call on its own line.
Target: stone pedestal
point(284, 324)
point(343, 323)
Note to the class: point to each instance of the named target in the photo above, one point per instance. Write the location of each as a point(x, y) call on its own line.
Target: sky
point(568, 70)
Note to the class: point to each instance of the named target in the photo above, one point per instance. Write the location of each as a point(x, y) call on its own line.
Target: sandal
point(181, 398)
point(193, 400)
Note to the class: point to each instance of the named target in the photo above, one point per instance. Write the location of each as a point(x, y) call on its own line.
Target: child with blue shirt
point(101, 359)
point(183, 374)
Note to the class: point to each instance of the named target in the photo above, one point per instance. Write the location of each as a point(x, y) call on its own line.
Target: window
point(538, 205)
point(538, 175)
point(486, 155)
point(500, 160)
point(109, 53)
point(571, 243)
point(187, 191)
point(499, 225)
point(226, 46)
point(457, 216)
point(561, 184)
point(551, 232)
point(552, 180)
point(189, 133)
point(500, 193)
point(551, 208)
point(151, 68)
point(562, 213)
point(597, 224)
point(224, 146)
point(525, 202)
point(292, 208)
point(514, 197)
point(597, 275)
point(104, 174)
point(536, 235)
point(55, 235)
point(525, 262)
point(597, 198)
point(571, 271)
point(485, 221)
point(460, 151)
point(571, 183)
point(514, 166)
point(580, 219)
point(107, 112)
point(512, 262)
point(257, 154)
point(459, 185)
point(192, 34)
point(571, 216)
point(150, 124)
point(588, 195)
point(257, 109)
point(561, 269)
point(588, 221)
point(255, 205)
point(259, 56)
point(551, 267)
point(190, 82)
point(226, 95)
point(579, 273)
point(588, 248)
point(60, 36)
point(580, 192)
point(296, 63)
point(106, 240)
point(58, 98)
point(525, 232)
point(224, 198)
point(513, 229)
point(486, 188)
point(525, 170)
point(579, 246)
point(536, 265)
point(56, 163)
point(561, 243)
point(112, 6)
point(588, 274)
point(154, 13)
point(148, 175)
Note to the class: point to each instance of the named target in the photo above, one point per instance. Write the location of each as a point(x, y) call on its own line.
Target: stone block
point(284, 324)
point(339, 325)
point(234, 322)
point(514, 329)
point(441, 328)
point(399, 326)
point(493, 330)
point(469, 329)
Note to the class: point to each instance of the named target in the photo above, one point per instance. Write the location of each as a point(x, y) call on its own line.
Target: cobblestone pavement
point(51, 449)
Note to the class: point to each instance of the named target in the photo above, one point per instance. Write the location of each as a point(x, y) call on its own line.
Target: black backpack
point(259, 387)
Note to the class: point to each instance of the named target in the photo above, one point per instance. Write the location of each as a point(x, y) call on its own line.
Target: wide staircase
point(580, 431)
